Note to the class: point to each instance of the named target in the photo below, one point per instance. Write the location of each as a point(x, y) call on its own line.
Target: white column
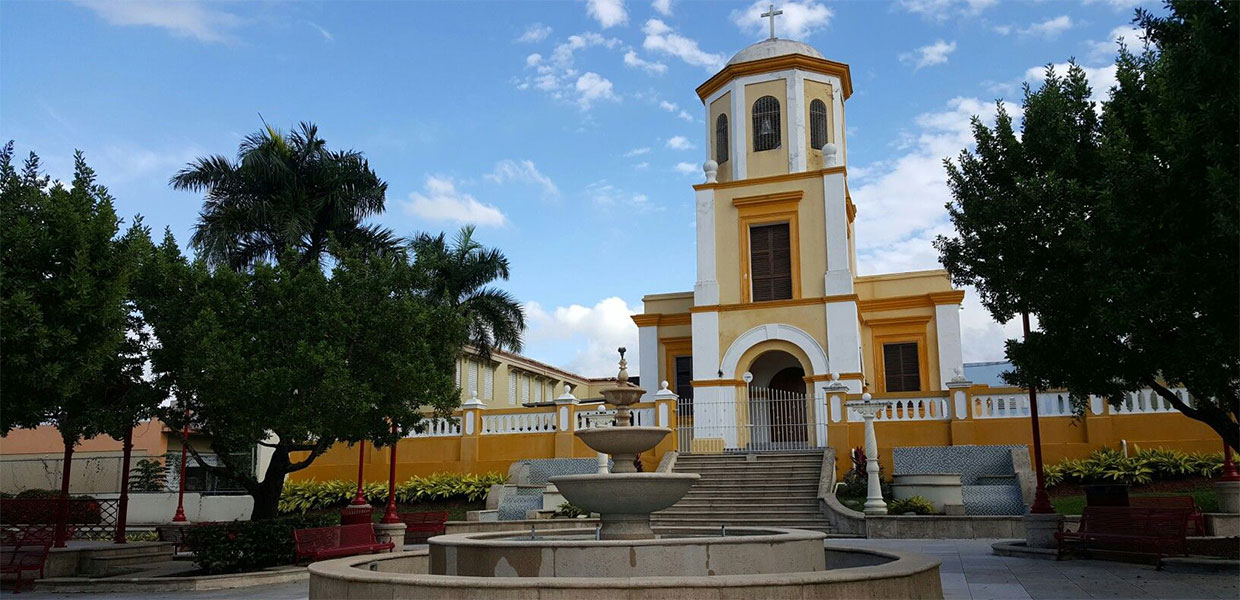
point(947, 324)
point(648, 359)
point(706, 290)
point(796, 122)
point(868, 409)
point(838, 278)
point(740, 116)
point(844, 341)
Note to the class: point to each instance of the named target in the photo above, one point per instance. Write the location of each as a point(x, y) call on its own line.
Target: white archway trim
point(774, 331)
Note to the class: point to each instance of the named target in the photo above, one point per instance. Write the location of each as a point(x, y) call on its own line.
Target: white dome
point(771, 48)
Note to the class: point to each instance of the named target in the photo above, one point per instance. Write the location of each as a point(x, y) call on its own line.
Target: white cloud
point(608, 13)
point(594, 332)
point(327, 35)
point(1050, 28)
point(679, 142)
point(641, 166)
point(593, 87)
point(672, 107)
point(927, 56)
point(663, 7)
point(441, 201)
point(1106, 50)
point(662, 38)
point(536, 32)
point(533, 60)
point(563, 53)
point(942, 10)
point(799, 21)
point(607, 196)
point(686, 168)
point(125, 162)
point(633, 60)
point(188, 18)
point(1119, 5)
point(522, 171)
point(636, 152)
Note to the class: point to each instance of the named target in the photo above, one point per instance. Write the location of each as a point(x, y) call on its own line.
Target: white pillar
point(951, 357)
point(706, 289)
point(868, 409)
point(648, 359)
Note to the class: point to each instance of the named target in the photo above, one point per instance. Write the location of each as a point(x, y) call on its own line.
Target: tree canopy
point(285, 191)
point(285, 356)
point(1120, 235)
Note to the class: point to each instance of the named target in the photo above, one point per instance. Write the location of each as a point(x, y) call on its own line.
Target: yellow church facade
point(777, 303)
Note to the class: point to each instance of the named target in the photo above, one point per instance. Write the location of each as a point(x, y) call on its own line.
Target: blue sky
point(568, 131)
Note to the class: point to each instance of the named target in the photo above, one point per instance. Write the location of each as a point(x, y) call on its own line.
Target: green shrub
point(913, 504)
point(305, 496)
point(1142, 467)
point(568, 510)
point(249, 545)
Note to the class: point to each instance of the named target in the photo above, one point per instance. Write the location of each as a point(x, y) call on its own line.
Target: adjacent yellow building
point(778, 306)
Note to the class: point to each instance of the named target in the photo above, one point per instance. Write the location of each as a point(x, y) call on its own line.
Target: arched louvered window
point(766, 124)
point(817, 124)
point(721, 139)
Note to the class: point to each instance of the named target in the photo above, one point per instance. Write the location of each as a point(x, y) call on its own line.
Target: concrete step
point(803, 482)
point(704, 505)
point(741, 513)
point(748, 468)
point(749, 501)
point(114, 563)
point(725, 463)
point(822, 526)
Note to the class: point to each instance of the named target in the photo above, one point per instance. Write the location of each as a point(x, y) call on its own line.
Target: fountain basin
point(624, 501)
point(623, 440)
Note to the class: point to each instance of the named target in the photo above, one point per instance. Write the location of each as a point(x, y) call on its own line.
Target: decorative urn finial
point(622, 377)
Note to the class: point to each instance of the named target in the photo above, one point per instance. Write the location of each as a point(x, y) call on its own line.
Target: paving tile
point(998, 591)
point(1064, 591)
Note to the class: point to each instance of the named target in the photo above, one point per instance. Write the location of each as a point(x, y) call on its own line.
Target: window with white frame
point(512, 387)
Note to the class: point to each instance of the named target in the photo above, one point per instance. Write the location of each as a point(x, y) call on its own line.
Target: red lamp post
point(359, 498)
point(1041, 501)
point(389, 515)
point(123, 513)
point(180, 516)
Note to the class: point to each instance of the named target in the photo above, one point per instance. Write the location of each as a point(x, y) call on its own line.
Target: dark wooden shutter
point(770, 262)
point(901, 370)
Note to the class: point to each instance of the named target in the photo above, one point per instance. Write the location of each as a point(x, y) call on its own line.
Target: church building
point(778, 309)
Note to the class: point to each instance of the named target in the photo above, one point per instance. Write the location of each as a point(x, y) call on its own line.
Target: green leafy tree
point(461, 274)
point(285, 191)
point(64, 276)
point(148, 475)
point(285, 357)
point(1126, 247)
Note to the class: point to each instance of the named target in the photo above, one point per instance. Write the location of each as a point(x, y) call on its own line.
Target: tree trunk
point(123, 511)
point(1206, 411)
point(62, 507)
point(267, 494)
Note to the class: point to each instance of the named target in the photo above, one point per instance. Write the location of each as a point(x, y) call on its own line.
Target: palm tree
point(285, 192)
point(460, 273)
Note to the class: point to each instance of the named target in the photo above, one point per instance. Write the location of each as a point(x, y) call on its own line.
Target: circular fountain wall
point(677, 552)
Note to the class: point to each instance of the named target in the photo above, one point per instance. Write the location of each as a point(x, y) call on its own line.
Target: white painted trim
point(774, 331)
point(947, 325)
point(838, 278)
point(740, 116)
point(795, 94)
point(843, 337)
point(706, 290)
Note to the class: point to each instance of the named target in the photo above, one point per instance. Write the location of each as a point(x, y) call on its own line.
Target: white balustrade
point(439, 427)
point(933, 408)
point(541, 422)
point(1147, 401)
point(640, 417)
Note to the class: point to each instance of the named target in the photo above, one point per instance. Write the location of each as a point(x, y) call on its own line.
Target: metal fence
point(89, 519)
point(762, 420)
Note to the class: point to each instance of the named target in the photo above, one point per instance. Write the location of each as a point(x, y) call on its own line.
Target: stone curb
point(102, 585)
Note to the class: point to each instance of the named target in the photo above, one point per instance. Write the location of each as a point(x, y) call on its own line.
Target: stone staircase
point(771, 490)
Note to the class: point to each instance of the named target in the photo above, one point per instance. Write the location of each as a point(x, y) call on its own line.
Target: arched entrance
point(777, 402)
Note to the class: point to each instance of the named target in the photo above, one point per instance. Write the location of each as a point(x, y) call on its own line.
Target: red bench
point(424, 525)
point(332, 542)
point(1141, 530)
point(25, 555)
point(1196, 521)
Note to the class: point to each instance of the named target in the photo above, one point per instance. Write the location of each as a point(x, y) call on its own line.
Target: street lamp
point(179, 517)
point(389, 515)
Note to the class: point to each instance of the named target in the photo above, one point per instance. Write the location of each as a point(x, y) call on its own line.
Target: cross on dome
point(772, 13)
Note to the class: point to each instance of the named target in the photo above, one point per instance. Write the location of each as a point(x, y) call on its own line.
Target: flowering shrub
point(913, 504)
point(304, 496)
point(235, 546)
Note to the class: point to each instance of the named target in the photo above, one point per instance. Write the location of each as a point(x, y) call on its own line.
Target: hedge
point(1142, 467)
point(305, 496)
point(235, 546)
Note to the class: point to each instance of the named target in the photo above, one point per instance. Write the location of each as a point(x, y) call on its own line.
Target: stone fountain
point(624, 498)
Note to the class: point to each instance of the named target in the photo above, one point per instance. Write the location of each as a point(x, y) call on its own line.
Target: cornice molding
point(778, 63)
point(720, 185)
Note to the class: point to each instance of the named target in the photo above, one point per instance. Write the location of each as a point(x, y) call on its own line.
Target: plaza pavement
point(969, 571)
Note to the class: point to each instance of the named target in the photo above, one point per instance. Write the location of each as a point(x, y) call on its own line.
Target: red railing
point(89, 519)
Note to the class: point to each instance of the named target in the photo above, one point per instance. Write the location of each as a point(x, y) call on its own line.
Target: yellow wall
point(722, 106)
point(767, 162)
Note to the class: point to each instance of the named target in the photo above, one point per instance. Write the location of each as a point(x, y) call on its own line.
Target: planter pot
point(941, 489)
point(1106, 494)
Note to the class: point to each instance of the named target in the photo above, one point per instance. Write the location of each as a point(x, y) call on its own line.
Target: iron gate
point(758, 419)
